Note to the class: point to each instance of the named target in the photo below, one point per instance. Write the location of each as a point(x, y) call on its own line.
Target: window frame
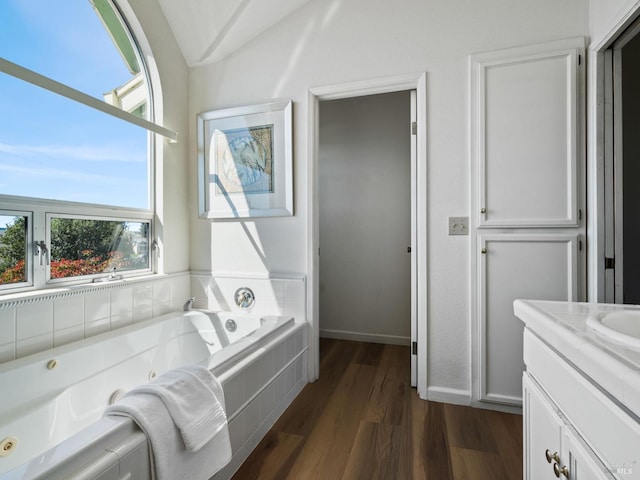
point(29, 253)
point(40, 210)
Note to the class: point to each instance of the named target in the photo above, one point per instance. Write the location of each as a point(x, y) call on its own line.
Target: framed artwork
point(245, 162)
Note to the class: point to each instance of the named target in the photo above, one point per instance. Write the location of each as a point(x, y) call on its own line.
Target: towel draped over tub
point(182, 413)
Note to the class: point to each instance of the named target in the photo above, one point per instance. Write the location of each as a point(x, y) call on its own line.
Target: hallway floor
point(362, 420)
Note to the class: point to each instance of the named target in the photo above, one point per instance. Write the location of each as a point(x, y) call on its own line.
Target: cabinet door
point(542, 432)
point(582, 464)
point(526, 106)
point(540, 266)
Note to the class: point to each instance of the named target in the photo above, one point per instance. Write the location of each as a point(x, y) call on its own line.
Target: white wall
point(605, 15)
point(171, 110)
point(364, 157)
point(339, 41)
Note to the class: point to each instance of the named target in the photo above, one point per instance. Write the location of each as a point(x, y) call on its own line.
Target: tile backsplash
point(276, 295)
point(49, 319)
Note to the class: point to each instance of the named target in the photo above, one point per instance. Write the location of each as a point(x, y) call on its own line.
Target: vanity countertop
point(613, 366)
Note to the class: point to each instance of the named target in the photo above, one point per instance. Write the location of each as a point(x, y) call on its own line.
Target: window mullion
point(40, 234)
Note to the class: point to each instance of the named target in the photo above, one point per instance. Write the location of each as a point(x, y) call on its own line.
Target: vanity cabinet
point(581, 396)
point(551, 444)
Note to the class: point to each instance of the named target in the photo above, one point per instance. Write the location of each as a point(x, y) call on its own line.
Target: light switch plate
point(458, 225)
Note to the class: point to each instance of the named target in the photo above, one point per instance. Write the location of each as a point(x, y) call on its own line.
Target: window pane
point(87, 247)
point(82, 44)
point(53, 148)
point(13, 249)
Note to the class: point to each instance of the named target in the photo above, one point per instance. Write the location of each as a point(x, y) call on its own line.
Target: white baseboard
point(365, 337)
point(449, 395)
point(498, 407)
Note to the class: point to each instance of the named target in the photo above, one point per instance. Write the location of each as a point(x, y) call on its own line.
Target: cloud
point(69, 152)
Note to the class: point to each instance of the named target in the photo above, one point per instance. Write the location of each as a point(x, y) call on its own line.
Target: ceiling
point(209, 30)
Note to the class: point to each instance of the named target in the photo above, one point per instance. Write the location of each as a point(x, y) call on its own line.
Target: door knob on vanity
point(558, 470)
point(551, 457)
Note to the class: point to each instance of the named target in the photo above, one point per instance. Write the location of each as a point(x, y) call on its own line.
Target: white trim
point(412, 81)
point(365, 337)
point(449, 395)
point(596, 132)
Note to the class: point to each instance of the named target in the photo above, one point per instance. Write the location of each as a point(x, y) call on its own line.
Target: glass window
point(83, 44)
point(75, 174)
point(14, 235)
point(81, 247)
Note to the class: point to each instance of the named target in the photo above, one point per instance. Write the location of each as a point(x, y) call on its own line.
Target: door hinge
point(579, 59)
point(580, 245)
point(414, 128)
point(609, 263)
point(414, 348)
point(580, 214)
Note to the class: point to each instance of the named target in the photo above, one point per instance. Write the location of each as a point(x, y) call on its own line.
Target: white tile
point(96, 328)
point(36, 344)
point(160, 308)
point(234, 393)
point(295, 310)
point(34, 320)
point(267, 402)
point(142, 314)
point(97, 306)
point(161, 291)
point(68, 312)
point(68, 335)
point(121, 301)
point(122, 320)
point(218, 295)
point(7, 325)
point(294, 291)
point(180, 291)
point(251, 418)
point(7, 352)
point(236, 433)
point(290, 377)
point(252, 380)
point(280, 388)
point(280, 354)
point(142, 299)
point(199, 292)
point(291, 348)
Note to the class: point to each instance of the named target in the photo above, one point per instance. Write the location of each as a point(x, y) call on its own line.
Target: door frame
point(412, 81)
point(601, 156)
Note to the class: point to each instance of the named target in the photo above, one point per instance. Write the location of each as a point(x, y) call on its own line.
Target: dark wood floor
point(362, 420)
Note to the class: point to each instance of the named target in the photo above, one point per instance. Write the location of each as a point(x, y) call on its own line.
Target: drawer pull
point(551, 457)
point(558, 470)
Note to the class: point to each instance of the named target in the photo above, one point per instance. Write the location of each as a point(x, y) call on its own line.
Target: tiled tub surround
point(261, 374)
point(38, 321)
point(275, 295)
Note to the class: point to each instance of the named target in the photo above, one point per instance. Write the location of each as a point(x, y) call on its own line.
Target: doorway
point(419, 288)
point(365, 193)
point(622, 168)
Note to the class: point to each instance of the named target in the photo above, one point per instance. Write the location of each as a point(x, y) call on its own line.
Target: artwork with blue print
point(244, 160)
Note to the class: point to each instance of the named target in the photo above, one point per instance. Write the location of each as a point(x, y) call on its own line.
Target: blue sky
point(51, 147)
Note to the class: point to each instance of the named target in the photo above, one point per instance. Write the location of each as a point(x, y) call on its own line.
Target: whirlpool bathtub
point(51, 405)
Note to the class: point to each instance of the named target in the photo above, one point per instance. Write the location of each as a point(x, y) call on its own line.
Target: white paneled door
point(527, 167)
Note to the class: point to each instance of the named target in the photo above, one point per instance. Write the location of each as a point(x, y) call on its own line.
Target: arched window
point(76, 168)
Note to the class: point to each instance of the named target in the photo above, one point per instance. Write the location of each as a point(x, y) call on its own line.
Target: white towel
point(182, 414)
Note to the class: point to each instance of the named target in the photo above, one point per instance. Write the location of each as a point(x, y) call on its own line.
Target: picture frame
point(245, 164)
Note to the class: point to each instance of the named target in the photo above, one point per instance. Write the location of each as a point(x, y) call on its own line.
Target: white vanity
point(581, 390)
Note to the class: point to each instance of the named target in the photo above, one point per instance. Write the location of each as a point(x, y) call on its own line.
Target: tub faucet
point(188, 304)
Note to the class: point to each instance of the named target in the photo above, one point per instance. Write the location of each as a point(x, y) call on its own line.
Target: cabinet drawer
point(611, 432)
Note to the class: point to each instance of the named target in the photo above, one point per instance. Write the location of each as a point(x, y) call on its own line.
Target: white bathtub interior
point(260, 360)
